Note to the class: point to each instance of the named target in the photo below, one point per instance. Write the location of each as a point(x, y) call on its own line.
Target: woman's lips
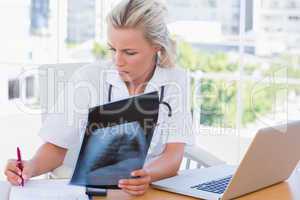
point(123, 72)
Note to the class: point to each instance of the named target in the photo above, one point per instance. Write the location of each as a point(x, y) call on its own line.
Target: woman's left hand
point(136, 186)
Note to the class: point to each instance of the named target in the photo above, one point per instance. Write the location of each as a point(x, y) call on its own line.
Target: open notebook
point(42, 190)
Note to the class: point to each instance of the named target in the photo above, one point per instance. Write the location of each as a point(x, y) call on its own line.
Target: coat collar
point(158, 79)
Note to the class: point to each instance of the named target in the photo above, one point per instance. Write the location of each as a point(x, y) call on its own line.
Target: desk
point(287, 190)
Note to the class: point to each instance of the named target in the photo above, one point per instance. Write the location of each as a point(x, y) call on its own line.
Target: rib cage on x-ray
point(126, 141)
point(108, 154)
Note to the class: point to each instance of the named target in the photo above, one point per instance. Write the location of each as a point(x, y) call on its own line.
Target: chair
point(202, 157)
point(63, 72)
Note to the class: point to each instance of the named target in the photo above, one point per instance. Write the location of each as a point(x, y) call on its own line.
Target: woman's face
point(133, 55)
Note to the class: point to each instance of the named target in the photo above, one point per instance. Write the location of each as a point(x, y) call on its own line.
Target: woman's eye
point(131, 53)
point(126, 52)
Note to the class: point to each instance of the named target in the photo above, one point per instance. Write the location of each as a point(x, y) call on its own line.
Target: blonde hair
point(150, 16)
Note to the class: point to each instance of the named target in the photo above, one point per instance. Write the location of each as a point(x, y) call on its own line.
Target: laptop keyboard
point(215, 186)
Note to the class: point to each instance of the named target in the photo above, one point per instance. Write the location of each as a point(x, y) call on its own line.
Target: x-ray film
point(116, 141)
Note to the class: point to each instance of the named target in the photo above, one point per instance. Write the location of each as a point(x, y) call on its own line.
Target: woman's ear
point(157, 48)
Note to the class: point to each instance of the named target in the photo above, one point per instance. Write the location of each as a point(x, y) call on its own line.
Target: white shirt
point(88, 87)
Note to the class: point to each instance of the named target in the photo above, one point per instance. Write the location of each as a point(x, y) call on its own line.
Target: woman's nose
point(119, 60)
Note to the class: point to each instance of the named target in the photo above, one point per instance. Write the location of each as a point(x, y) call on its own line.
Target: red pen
point(19, 164)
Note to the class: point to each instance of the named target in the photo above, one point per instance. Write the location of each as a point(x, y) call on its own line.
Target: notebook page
point(4, 190)
point(47, 190)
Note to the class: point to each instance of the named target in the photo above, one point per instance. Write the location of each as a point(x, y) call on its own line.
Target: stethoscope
point(161, 101)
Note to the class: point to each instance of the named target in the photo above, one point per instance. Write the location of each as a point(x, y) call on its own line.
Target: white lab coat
point(88, 87)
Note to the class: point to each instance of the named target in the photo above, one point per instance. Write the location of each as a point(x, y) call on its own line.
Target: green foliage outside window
point(100, 51)
point(218, 104)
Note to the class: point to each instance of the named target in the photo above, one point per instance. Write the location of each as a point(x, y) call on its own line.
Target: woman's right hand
point(13, 173)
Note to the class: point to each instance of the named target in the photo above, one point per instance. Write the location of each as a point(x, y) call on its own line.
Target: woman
point(144, 59)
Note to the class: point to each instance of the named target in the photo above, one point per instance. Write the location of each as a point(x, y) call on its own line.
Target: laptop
point(270, 159)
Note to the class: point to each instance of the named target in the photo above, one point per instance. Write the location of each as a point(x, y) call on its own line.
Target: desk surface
point(287, 190)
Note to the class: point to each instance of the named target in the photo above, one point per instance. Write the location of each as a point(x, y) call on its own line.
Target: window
point(30, 89)
point(294, 18)
point(274, 4)
point(212, 3)
point(39, 16)
point(291, 4)
point(13, 89)
point(243, 85)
